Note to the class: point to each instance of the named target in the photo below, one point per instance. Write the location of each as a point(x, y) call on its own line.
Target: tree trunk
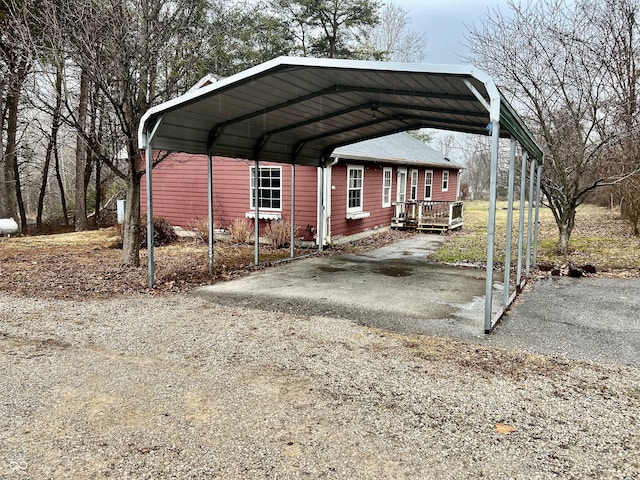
point(3, 187)
point(19, 199)
point(63, 198)
point(43, 184)
point(52, 145)
point(81, 156)
point(131, 230)
point(96, 215)
point(565, 227)
point(10, 158)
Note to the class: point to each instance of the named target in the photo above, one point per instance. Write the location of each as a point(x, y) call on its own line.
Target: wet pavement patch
point(394, 271)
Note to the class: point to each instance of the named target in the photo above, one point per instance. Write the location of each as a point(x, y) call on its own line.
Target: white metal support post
point(537, 223)
point(256, 211)
point(523, 195)
point(210, 209)
point(495, 140)
point(321, 210)
point(149, 167)
point(507, 254)
point(532, 176)
point(293, 210)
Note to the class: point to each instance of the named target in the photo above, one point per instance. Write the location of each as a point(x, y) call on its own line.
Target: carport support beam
point(293, 210)
point(150, 261)
point(537, 223)
point(532, 175)
point(523, 186)
point(210, 209)
point(507, 254)
point(256, 219)
point(321, 209)
point(495, 134)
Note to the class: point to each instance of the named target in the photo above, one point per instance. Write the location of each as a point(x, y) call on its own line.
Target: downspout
point(326, 198)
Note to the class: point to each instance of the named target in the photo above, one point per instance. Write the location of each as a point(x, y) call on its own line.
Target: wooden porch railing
point(428, 215)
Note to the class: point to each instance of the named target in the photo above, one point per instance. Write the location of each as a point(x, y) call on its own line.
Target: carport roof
point(298, 110)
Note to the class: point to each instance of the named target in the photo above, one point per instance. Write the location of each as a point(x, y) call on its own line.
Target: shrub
point(163, 232)
point(240, 231)
point(279, 233)
point(200, 228)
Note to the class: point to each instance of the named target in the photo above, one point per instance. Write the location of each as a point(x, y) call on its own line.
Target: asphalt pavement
point(398, 288)
point(594, 319)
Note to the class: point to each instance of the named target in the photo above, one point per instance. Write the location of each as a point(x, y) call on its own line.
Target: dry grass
point(600, 238)
point(87, 264)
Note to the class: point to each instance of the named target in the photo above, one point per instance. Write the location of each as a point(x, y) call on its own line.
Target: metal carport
point(297, 110)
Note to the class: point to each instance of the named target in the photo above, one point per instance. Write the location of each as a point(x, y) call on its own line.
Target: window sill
point(358, 215)
point(264, 215)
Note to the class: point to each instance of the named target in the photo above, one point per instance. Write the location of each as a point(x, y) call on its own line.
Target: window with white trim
point(428, 184)
point(386, 186)
point(270, 188)
point(355, 188)
point(445, 180)
point(413, 192)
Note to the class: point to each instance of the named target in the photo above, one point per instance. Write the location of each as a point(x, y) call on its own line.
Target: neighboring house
point(391, 181)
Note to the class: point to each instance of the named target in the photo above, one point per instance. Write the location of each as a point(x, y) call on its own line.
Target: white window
point(355, 187)
point(445, 180)
point(386, 186)
point(270, 188)
point(413, 193)
point(401, 189)
point(428, 184)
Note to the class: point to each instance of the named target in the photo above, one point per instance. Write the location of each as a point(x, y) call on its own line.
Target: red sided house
point(394, 181)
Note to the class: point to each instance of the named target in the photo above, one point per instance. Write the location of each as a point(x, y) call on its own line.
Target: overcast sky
point(445, 23)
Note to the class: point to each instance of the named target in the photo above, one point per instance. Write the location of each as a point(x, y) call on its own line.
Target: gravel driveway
point(178, 386)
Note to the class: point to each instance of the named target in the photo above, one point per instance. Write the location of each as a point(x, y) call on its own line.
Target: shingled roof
point(399, 148)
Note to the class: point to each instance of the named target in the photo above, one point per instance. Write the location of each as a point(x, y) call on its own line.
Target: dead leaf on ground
point(504, 429)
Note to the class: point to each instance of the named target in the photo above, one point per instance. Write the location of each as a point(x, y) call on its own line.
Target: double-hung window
point(445, 180)
point(355, 187)
point(386, 186)
point(428, 184)
point(270, 188)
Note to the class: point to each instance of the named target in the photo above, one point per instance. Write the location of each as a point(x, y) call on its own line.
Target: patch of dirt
point(87, 265)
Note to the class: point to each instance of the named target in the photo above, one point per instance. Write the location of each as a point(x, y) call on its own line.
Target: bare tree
point(81, 154)
point(629, 191)
point(143, 56)
point(543, 56)
point(16, 63)
point(392, 41)
point(52, 147)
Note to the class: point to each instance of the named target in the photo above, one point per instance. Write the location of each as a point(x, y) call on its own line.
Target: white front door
point(401, 192)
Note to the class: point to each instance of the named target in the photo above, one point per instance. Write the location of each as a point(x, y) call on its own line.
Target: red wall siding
point(180, 191)
point(372, 201)
point(438, 194)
